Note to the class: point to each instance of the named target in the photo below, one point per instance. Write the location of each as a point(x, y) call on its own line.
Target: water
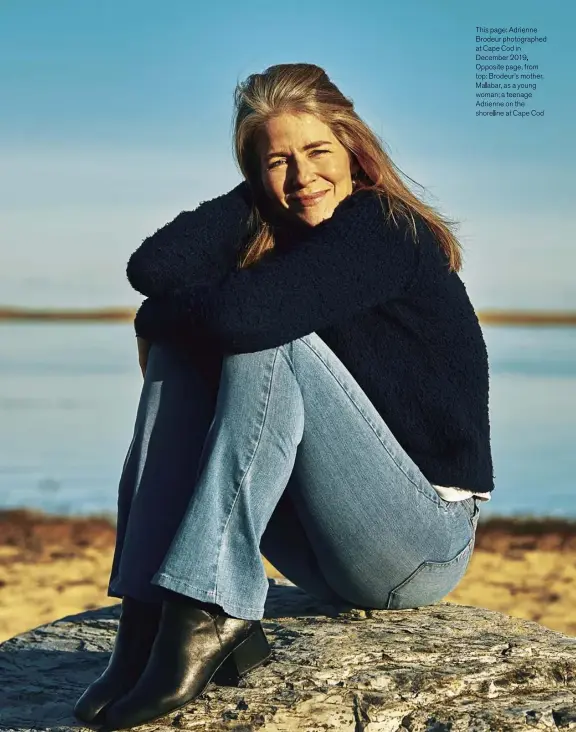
point(69, 392)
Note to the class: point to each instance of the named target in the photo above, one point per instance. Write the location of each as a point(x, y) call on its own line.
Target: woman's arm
point(195, 247)
point(346, 264)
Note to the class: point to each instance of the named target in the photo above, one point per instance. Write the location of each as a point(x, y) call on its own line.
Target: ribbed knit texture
point(386, 304)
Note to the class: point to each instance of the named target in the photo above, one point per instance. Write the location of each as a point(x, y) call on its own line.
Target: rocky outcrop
point(440, 668)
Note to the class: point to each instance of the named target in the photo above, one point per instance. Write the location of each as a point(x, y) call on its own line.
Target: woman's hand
point(143, 351)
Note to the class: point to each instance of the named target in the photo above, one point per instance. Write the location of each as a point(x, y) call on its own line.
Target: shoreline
point(53, 566)
point(24, 527)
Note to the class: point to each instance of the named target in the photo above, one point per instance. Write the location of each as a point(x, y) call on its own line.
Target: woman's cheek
point(270, 187)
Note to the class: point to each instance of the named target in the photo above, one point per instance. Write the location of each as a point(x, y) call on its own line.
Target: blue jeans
point(287, 458)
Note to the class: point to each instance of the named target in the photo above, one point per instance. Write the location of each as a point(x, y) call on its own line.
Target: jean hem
point(144, 592)
point(245, 612)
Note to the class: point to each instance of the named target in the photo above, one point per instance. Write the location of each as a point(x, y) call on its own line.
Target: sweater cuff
point(172, 317)
point(153, 321)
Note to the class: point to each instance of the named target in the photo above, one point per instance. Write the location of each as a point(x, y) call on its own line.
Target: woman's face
point(300, 156)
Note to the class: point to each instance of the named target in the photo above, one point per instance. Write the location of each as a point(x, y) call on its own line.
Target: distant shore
point(55, 314)
point(119, 315)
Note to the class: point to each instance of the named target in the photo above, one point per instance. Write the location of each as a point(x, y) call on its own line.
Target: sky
point(117, 115)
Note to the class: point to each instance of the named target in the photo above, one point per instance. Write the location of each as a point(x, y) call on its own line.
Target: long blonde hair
point(306, 88)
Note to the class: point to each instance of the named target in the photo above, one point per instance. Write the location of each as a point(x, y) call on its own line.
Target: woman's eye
point(273, 165)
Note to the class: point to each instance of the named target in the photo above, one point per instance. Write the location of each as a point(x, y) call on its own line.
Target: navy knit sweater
point(386, 304)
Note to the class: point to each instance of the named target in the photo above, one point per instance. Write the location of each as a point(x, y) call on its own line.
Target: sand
point(51, 567)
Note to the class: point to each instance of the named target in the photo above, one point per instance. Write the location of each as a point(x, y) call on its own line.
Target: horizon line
point(494, 316)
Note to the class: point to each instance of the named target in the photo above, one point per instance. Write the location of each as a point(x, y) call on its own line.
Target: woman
point(316, 392)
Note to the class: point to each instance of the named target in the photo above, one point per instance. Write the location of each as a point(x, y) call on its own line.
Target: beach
point(54, 566)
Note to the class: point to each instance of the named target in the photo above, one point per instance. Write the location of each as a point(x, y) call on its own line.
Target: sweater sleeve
point(346, 264)
point(196, 247)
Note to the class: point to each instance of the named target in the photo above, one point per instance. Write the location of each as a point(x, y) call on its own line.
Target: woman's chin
point(312, 216)
point(303, 217)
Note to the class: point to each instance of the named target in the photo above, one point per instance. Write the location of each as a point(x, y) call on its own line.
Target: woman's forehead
point(292, 130)
point(294, 124)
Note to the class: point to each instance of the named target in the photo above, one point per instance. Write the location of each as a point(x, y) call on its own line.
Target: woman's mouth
point(310, 200)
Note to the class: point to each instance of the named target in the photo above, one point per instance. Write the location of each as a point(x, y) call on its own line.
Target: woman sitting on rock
point(315, 391)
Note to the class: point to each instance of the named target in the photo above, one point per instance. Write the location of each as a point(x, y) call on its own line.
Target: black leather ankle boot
point(136, 632)
point(192, 644)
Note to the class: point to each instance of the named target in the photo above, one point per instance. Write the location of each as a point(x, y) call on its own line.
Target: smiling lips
point(310, 200)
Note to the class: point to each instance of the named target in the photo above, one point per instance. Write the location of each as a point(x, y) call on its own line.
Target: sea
point(69, 393)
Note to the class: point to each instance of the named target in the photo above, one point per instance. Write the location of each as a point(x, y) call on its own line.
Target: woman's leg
point(293, 419)
point(174, 413)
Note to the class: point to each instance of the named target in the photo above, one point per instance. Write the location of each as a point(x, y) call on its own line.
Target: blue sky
point(116, 115)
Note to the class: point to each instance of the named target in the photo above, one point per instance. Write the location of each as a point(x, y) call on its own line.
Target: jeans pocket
point(431, 581)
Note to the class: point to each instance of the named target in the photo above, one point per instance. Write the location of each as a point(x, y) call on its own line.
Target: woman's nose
point(304, 173)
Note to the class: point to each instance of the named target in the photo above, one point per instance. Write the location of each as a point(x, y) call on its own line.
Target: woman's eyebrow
point(305, 147)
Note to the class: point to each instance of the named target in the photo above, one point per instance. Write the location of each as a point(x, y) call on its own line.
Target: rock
point(440, 668)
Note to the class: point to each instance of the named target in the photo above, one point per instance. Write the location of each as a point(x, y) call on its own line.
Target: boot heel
point(252, 652)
